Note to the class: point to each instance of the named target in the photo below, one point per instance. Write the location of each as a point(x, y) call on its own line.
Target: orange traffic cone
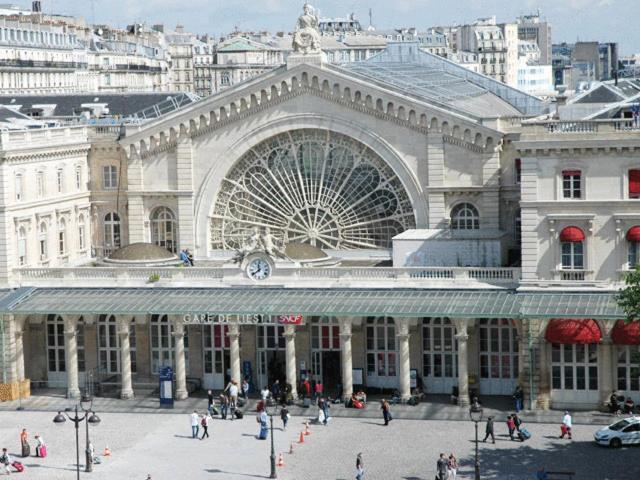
point(107, 452)
point(281, 460)
point(306, 430)
point(291, 449)
point(301, 437)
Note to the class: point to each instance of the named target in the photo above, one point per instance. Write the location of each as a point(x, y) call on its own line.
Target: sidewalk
point(437, 407)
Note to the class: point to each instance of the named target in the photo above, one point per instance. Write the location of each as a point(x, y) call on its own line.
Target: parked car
point(622, 432)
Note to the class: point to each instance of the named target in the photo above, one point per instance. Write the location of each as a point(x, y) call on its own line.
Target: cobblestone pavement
point(161, 444)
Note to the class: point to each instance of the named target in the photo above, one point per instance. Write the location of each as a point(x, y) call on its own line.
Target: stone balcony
point(292, 277)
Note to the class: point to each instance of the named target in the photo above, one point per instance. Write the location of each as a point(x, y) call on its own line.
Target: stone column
point(181, 370)
point(184, 171)
point(10, 370)
point(124, 325)
point(463, 363)
point(234, 352)
point(404, 374)
point(19, 346)
point(544, 376)
point(605, 369)
point(346, 358)
point(290, 351)
point(71, 356)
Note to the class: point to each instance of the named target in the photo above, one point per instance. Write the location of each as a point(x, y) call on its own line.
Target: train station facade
point(454, 239)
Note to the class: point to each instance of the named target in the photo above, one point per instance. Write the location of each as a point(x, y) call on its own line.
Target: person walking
point(511, 425)
point(232, 388)
point(24, 442)
point(359, 467)
point(275, 391)
point(5, 460)
point(306, 388)
point(518, 396)
point(566, 424)
point(325, 409)
point(452, 467)
point(204, 423)
point(245, 388)
point(318, 389)
point(488, 430)
point(284, 416)
point(195, 422)
point(224, 406)
point(516, 421)
point(210, 401)
point(41, 447)
point(264, 429)
point(386, 411)
point(442, 467)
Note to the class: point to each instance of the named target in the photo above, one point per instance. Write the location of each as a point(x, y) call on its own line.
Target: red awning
point(634, 183)
point(571, 173)
point(633, 235)
point(626, 333)
point(572, 234)
point(569, 330)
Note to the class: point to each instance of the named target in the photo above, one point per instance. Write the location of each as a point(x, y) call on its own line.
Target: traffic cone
point(301, 437)
point(306, 430)
point(107, 452)
point(291, 449)
point(281, 460)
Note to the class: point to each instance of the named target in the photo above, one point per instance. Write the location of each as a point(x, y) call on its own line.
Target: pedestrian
point(306, 387)
point(210, 401)
point(386, 411)
point(24, 442)
point(264, 430)
point(224, 406)
point(453, 467)
point(245, 388)
point(511, 426)
point(325, 410)
point(275, 391)
point(190, 257)
point(41, 447)
point(489, 430)
point(518, 395)
point(442, 467)
point(359, 467)
point(5, 460)
point(516, 421)
point(184, 257)
point(566, 425)
point(264, 394)
point(195, 421)
point(318, 389)
point(232, 388)
point(204, 423)
point(284, 416)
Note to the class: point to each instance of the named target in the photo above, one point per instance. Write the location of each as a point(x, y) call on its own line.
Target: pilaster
point(290, 352)
point(234, 352)
point(71, 356)
point(404, 370)
point(123, 327)
point(181, 371)
point(346, 358)
point(184, 171)
point(462, 337)
point(435, 177)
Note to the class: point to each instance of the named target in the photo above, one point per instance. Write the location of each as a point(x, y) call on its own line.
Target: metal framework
point(312, 186)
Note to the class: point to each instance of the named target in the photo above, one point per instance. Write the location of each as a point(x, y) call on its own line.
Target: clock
point(259, 269)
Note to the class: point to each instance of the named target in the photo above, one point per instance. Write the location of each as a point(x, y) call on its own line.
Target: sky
point(602, 20)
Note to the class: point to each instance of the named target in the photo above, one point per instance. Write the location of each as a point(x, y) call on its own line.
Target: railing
point(41, 64)
point(87, 276)
point(559, 127)
point(30, 138)
point(573, 275)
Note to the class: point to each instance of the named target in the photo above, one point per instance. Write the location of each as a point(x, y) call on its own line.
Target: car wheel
point(615, 443)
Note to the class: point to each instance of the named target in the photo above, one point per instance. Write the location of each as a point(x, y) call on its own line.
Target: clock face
point(259, 269)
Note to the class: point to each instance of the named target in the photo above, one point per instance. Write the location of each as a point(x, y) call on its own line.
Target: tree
point(629, 296)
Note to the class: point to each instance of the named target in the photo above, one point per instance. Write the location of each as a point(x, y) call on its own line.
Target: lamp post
point(59, 419)
point(93, 420)
point(475, 413)
point(274, 474)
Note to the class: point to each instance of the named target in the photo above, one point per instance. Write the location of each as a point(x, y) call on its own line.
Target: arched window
point(572, 245)
point(498, 356)
point(109, 345)
point(56, 360)
point(633, 238)
point(42, 240)
point(163, 344)
point(81, 233)
point(163, 228)
point(111, 233)
point(465, 217)
point(22, 246)
point(439, 354)
point(62, 237)
point(381, 352)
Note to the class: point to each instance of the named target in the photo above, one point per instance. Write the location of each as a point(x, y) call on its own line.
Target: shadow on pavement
point(225, 472)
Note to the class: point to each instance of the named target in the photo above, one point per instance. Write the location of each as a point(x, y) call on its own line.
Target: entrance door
point(381, 353)
point(574, 374)
point(215, 343)
point(331, 372)
point(439, 355)
point(325, 353)
point(271, 355)
point(498, 356)
point(56, 360)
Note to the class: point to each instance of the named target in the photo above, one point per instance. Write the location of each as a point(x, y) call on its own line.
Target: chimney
point(36, 6)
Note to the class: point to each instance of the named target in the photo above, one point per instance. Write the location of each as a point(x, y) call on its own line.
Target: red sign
point(290, 319)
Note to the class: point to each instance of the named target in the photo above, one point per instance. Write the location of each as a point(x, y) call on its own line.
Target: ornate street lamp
point(475, 413)
point(274, 474)
point(86, 404)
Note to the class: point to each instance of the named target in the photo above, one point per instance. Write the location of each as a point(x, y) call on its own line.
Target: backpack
point(4, 460)
point(203, 422)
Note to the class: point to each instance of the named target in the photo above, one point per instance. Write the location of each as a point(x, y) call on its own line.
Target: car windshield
point(619, 425)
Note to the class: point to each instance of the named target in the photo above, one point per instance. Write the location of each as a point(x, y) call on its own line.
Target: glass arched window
point(56, 360)
point(82, 231)
point(111, 233)
point(163, 228)
point(465, 217)
point(22, 246)
point(439, 349)
point(62, 237)
point(109, 345)
point(381, 350)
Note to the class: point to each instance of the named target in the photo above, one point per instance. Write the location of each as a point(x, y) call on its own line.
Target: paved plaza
point(161, 444)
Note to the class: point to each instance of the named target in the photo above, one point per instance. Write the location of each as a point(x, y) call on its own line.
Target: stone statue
point(256, 242)
point(306, 38)
point(269, 245)
point(249, 246)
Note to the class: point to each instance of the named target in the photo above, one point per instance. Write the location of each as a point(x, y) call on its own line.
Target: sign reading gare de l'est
point(255, 319)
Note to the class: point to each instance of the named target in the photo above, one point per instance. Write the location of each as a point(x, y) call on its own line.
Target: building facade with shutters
point(360, 173)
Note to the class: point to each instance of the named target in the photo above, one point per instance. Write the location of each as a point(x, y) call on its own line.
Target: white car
point(623, 432)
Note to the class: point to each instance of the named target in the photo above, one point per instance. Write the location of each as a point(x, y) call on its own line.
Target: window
point(572, 248)
point(216, 349)
point(111, 233)
point(19, 187)
point(572, 184)
point(78, 177)
point(109, 345)
point(56, 361)
point(109, 177)
point(381, 347)
point(42, 239)
point(60, 180)
point(225, 79)
point(163, 344)
point(628, 368)
point(81, 233)
point(22, 247)
point(40, 185)
point(498, 349)
point(62, 237)
point(465, 217)
point(634, 183)
point(518, 170)
point(517, 226)
point(163, 229)
point(439, 348)
point(574, 367)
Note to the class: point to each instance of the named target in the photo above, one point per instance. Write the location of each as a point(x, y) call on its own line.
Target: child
point(511, 425)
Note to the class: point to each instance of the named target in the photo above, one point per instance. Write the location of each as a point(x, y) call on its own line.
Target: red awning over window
point(573, 331)
point(633, 235)
point(572, 234)
point(571, 173)
point(625, 333)
point(634, 183)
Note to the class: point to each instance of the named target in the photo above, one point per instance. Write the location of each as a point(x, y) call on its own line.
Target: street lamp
point(475, 413)
point(60, 419)
point(273, 451)
point(86, 404)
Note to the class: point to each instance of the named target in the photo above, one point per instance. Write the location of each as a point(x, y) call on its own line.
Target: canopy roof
point(330, 302)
